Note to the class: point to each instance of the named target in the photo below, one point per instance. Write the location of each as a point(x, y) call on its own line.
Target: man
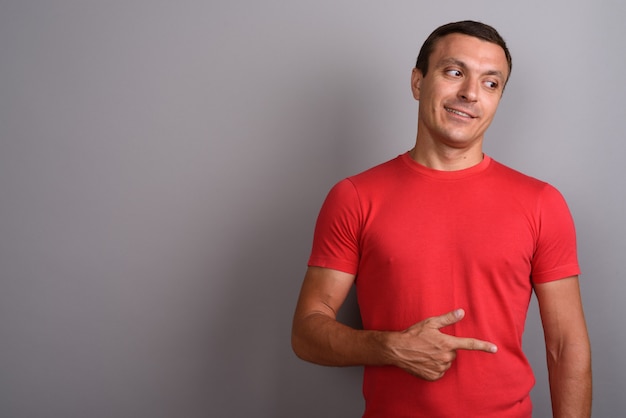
point(445, 246)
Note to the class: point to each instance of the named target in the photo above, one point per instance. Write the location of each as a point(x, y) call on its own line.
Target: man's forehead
point(466, 49)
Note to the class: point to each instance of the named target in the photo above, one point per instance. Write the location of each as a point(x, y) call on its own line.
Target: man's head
point(466, 27)
point(459, 79)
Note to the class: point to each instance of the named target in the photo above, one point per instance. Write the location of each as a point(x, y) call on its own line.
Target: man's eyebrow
point(496, 73)
point(451, 61)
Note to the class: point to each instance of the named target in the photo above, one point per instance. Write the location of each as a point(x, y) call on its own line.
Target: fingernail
point(494, 349)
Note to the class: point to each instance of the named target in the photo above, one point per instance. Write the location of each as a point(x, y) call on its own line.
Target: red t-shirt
point(423, 242)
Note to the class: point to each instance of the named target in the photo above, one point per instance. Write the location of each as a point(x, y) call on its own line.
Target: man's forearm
point(570, 382)
point(319, 339)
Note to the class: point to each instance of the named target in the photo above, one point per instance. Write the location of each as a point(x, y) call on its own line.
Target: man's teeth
point(458, 112)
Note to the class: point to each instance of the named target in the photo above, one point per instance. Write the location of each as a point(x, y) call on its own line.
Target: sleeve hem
point(334, 264)
point(556, 274)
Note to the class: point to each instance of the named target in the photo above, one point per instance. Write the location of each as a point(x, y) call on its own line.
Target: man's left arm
point(568, 349)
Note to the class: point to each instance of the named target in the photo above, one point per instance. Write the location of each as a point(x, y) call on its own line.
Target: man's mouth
point(458, 112)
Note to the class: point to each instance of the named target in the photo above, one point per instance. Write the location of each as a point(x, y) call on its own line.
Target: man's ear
point(416, 82)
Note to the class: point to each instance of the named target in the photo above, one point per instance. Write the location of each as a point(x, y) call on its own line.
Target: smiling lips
point(459, 112)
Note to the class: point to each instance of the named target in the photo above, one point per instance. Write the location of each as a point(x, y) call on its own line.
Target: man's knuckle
point(447, 357)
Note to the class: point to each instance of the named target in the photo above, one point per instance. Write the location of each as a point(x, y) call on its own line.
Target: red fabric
point(424, 242)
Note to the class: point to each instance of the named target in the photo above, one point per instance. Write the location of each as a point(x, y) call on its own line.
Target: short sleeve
point(337, 231)
point(555, 253)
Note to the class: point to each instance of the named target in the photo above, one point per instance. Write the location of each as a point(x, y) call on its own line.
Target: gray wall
point(162, 164)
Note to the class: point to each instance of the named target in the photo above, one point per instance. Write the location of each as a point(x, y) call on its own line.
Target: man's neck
point(446, 158)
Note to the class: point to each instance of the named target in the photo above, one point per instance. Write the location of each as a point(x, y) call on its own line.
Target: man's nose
point(468, 90)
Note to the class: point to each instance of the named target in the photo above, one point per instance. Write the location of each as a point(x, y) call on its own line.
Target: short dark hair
point(466, 27)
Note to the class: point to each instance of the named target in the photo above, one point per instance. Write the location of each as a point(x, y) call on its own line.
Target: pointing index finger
point(474, 345)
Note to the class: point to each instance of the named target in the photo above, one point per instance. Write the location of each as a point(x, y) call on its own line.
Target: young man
point(445, 246)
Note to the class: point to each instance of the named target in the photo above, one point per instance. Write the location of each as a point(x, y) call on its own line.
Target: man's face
point(460, 93)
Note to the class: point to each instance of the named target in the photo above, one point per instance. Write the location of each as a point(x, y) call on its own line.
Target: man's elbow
point(298, 342)
point(575, 352)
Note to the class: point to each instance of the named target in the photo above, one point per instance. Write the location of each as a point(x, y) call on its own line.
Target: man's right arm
point(317, 336)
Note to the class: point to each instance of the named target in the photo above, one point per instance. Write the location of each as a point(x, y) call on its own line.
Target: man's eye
point(454, 73)
point(491, 84)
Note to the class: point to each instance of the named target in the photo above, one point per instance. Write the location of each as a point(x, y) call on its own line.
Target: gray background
point(162, 164)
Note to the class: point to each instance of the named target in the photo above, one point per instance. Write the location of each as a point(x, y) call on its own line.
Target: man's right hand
point(424, 351)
